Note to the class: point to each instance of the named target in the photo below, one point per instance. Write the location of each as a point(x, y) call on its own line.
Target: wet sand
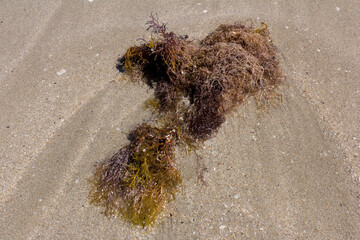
point(289, 173)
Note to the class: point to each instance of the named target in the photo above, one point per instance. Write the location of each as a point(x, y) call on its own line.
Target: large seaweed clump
point(215, 75)
point(196, 85)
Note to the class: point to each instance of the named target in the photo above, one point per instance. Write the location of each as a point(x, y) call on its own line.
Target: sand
point(289, 173)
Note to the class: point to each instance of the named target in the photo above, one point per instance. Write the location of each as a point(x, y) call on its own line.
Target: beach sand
point(292, 172)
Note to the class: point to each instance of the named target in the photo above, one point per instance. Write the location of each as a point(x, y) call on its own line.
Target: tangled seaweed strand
point(196, 85)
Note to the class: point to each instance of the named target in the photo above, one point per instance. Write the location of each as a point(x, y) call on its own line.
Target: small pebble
point(61, 72)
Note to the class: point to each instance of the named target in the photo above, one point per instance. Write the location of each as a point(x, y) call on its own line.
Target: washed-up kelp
point(196, 84)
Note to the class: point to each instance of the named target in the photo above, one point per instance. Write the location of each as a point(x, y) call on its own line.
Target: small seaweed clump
point(196, 85)
point(140, 178)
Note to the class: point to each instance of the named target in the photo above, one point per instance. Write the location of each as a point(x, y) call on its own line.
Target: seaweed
point(218, 73)
point(196, 85)
point(137, 181)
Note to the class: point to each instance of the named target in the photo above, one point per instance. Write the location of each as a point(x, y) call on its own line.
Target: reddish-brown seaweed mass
point(196, 85)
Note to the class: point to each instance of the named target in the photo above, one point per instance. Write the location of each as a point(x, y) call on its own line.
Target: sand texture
point(291, 172)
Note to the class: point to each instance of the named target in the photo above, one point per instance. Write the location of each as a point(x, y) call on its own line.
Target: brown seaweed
point(196, 86)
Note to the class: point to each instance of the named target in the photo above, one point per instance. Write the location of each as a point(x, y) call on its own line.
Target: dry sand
point(291, 173)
